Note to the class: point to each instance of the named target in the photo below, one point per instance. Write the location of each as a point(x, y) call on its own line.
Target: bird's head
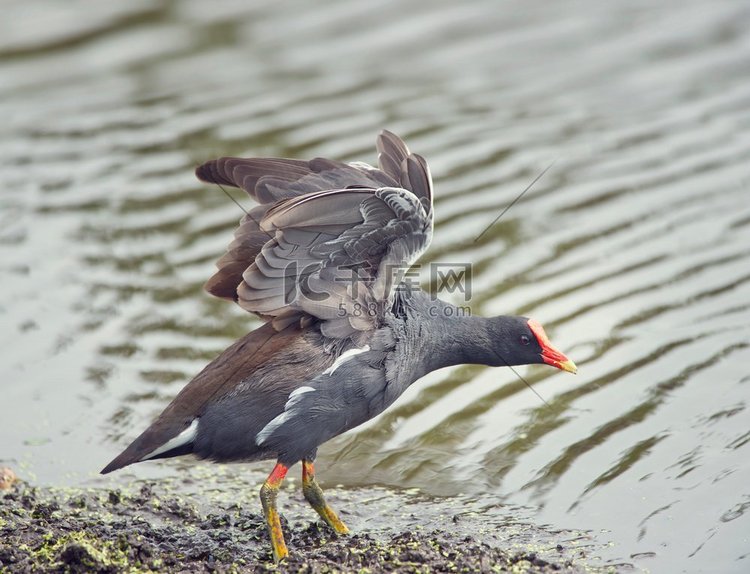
point(522, 341)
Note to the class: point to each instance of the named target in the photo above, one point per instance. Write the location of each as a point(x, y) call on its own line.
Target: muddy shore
point(206, 525)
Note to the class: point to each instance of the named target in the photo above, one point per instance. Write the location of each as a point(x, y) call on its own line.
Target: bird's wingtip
point(112, 466)
point(204, 173)
point(127, 457)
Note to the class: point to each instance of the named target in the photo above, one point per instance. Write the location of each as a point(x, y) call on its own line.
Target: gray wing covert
point(335, 256)
point(328, 240)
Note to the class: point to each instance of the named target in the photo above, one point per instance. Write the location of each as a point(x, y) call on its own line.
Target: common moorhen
point(321, 260)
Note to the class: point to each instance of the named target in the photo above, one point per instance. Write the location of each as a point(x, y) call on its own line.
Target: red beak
point(550, 354)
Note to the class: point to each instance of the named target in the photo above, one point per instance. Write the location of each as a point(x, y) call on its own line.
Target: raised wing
point(329, 239)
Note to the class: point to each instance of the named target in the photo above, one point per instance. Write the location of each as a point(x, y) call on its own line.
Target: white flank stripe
point(186, 436)
point(299, 391)
point(294, 397)
point(269, 429)
point(344, 357)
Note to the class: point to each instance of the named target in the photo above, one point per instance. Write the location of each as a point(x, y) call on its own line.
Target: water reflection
point(632, 249)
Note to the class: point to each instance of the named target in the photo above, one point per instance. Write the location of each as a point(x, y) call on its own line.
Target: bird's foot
point(331, 519)
point(314, 495)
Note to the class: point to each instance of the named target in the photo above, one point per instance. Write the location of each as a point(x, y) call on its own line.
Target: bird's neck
point(460, 339)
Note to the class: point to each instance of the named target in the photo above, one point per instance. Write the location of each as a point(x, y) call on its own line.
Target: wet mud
point(190, 526)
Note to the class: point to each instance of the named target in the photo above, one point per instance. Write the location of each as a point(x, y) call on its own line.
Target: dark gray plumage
point(321, 259)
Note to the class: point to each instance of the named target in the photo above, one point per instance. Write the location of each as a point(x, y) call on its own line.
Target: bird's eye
point(525, 340)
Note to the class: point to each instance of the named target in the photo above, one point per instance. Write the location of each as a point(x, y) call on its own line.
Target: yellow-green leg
point(268, 493)
point(314, 495)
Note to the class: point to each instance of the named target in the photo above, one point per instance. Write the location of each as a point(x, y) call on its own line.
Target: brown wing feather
point(235, 364)
point(248, 241)
point(281, 185)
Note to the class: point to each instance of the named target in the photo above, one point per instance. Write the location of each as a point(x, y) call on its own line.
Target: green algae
point(213, 524)
point(90, 553)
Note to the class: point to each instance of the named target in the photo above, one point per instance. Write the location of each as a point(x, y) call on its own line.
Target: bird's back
point(247, 365)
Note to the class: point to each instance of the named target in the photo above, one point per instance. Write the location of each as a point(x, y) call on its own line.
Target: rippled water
point(632, 250)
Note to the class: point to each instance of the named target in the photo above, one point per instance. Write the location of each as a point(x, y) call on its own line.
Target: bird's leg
point(314, 495)
point(268, 493)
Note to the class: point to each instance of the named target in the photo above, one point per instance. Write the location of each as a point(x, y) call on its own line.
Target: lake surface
point(633, 249)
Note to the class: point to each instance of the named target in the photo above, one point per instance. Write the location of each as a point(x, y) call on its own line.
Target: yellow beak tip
point(569, 366)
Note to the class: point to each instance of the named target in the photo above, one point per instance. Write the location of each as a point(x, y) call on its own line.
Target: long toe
point(331, 518)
